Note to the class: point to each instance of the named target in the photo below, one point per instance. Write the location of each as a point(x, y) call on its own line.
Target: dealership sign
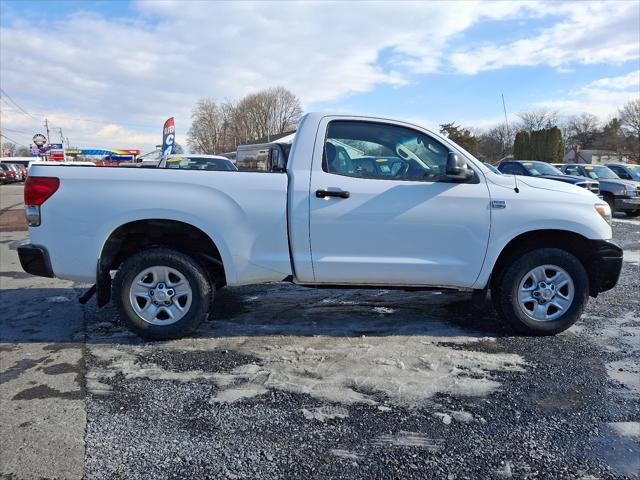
point(168, 137)
point(56, 152)
point(39, 140)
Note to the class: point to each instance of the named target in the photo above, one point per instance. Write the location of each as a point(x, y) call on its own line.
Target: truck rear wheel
point(543, 292)
point(162, 294)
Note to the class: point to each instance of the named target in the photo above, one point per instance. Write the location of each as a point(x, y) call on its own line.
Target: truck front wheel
point(162, 293)
point(543, 292)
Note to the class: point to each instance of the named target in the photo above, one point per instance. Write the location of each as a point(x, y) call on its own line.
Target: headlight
point(604, 211)
point(631, 190)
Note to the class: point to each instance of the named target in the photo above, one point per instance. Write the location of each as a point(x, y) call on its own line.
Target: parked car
point(621, 195)
point(12, 175)
point(492, 168)
point(198, 162)
point(532, 168)
point(626, 171)
point(6, 174)
point(430, 215)
point(18, 172)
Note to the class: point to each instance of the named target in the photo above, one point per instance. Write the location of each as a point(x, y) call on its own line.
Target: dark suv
point(626, 171)
point(533, 168)
point(621, 195)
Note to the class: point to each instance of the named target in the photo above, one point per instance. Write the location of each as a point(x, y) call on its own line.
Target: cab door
point(382, 213)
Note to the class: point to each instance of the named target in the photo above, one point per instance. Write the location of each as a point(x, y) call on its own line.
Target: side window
point(511, 169)
point(253, 160)
point(572, 171)
point(382, 151)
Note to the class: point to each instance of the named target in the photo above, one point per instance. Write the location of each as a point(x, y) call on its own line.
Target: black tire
point(201, 288)
point(633, 213)
point(610, 201)
point(505, 291)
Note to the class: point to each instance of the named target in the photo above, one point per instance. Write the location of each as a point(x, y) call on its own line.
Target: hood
point(554, 185)
point(568, 178)
point(619, 181)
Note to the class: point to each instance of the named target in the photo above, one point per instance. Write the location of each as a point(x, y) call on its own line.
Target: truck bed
point(244, 213)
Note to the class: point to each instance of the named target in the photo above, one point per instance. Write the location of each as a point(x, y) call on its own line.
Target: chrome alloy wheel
point(160, 295)
point(545, 293)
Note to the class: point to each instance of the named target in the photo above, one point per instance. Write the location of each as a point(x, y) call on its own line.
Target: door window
point(572, 171)
point(382, 151)
point(512, 169)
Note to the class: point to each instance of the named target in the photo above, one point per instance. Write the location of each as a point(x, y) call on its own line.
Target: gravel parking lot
point(288, 382)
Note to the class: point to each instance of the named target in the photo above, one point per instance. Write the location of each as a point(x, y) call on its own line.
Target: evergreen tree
point(521, 146)
point(461, 136)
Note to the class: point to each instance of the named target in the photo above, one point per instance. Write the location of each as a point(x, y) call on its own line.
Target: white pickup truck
point(362, 202)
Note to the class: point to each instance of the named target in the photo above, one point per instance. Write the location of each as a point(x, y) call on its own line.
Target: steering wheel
point(402, 171)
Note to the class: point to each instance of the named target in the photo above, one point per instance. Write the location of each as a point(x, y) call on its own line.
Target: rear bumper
point(605, 265)
point(35, 260)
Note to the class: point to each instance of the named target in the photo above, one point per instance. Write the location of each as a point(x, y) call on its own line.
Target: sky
point(110, 73)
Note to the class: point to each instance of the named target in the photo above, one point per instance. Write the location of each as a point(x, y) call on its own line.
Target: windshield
point(598, 172)
point(492, 168)
point(540, 168)
point(635, 170)
point(199, 163)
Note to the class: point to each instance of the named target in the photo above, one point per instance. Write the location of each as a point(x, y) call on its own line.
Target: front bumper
point(627, 203)
point(35, 260)
point(605, 262)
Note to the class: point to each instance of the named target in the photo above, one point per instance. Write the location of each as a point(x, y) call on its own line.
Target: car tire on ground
point(543, 292)
point(610, 201)
point(162, 294)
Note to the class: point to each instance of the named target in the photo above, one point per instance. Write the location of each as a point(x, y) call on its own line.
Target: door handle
point(328, 193)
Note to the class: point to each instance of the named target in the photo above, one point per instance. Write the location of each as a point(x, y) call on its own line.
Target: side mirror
point(457, 170)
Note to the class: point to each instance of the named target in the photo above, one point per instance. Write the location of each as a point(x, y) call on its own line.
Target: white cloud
point(89, 72)
point(601, 97)
point(594, 32)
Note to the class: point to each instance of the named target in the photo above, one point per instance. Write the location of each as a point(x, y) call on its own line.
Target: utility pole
point(46, 124)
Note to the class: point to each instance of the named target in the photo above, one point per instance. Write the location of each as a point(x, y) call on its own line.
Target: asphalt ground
point(288, 382)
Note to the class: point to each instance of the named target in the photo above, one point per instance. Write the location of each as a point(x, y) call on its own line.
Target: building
point(594, 156)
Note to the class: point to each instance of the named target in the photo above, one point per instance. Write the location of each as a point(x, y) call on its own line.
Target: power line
point(16, 104)
point(13, 141)
point(16, 131)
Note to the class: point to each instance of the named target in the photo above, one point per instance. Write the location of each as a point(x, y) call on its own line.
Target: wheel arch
point(137, 235)
point(574, 243)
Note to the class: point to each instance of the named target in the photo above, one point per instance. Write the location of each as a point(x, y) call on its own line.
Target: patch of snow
point(383, 310)
point(322, 414)
point(58, 299)
point(345, 454)
point(409, 439)
point(627, 429)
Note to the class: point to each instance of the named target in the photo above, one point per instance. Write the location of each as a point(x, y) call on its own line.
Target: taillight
point(38, 189)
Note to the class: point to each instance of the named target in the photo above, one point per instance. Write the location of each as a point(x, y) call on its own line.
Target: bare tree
point(286, 110)
point(537, 119)
point(8, 149)
point(207, 127)
point(222, 127)
point(581, 130)
point(496, 143)
point(630, 116)
point(268, 112)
